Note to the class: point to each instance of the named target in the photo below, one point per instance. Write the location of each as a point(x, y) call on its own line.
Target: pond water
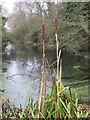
point(21, 74)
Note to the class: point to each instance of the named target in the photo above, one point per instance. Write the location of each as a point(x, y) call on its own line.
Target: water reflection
point(24, 73)
point(9, 48)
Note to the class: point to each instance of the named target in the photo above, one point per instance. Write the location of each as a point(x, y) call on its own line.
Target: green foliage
point(6, 36)
point(67, 107)
point(71, 7)
point(73, 32)
point(4, 20)
point(73, 28)
point(35, 37)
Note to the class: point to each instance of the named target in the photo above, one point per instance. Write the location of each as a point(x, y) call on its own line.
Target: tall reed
point(43, 84)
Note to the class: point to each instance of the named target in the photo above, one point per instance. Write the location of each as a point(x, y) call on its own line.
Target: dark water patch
point(79, 84)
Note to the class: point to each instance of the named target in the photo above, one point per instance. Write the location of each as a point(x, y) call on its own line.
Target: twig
point(14, 75)
point(52, 64)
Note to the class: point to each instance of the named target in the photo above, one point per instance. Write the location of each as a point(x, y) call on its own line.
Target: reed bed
point(59, 103)
point(68, 106)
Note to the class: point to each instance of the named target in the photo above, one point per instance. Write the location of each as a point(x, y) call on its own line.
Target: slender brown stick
point(53, 63)
point(43, 85)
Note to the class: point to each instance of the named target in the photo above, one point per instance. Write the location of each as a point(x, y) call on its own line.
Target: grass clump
point(63, 106)
point(53, 106)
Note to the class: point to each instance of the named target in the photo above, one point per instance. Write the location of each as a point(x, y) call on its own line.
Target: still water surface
point(22, 74)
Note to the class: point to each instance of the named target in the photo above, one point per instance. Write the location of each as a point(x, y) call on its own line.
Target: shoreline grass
point(67, 108)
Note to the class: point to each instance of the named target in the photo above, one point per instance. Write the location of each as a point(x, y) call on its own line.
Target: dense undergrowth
point(53, 106)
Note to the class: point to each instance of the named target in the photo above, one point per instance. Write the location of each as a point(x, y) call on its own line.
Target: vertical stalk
point(58, 76)
point(43, 85)
point(1, 25)
point(43, 65)
point(57, 48)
